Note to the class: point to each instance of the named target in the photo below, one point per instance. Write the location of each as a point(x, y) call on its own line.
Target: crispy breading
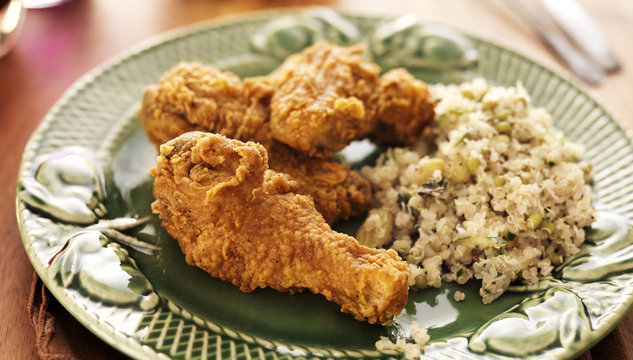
point(338, 191)
point(242, 222)
point(324, 98)
point(315, 103)
point(192, 96)
point(327, 95)
point(404, 109)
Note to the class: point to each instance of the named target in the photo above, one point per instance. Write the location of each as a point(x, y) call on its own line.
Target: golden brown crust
point(338, 192)
point(241, 222)
point(315, 103)
point(404, 109)
point(192, 96)
point(324, 98)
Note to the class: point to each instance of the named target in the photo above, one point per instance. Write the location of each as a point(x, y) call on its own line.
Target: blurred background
point(59, 44)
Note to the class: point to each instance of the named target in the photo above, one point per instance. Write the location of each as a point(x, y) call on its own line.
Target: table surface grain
point(58, 45)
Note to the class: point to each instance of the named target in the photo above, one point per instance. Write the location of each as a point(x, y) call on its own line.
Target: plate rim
point(135, 349)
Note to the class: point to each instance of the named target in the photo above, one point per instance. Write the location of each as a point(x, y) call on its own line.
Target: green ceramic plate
point(84, 194)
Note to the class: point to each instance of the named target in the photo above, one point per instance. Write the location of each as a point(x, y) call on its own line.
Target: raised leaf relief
point(609, 251)
point(100, 268)
point(288, 35)
point(66, 187)
point(556, 318)
point(411, 43)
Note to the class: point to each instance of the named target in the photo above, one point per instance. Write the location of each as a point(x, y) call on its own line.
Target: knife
point(584, 32)
point(549, 33)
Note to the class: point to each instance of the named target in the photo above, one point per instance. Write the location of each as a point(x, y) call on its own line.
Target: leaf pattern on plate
point(67, 187)
point(288, 35)
point(560, 312)
point(100, 268)
point(556, 318)
point(90, 115)
point(608, 251)
point(431, 51)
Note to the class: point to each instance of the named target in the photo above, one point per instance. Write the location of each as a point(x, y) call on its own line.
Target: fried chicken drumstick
point(311, 106)
point(242, 222)
point(192, 96)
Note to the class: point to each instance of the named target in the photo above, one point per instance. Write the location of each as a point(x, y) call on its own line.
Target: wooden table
point(58, 45)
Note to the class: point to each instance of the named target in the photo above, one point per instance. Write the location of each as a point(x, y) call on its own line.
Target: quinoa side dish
point(493, 192)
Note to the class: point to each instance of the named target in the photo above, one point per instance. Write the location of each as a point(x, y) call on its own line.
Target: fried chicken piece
point(316, 102)
point(404, 109)
point(338, 192)
point(241, 222)
point(324, 97)
point(192, 96)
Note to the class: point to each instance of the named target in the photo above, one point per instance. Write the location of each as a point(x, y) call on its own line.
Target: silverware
point(583, 31)
point(585, 68)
